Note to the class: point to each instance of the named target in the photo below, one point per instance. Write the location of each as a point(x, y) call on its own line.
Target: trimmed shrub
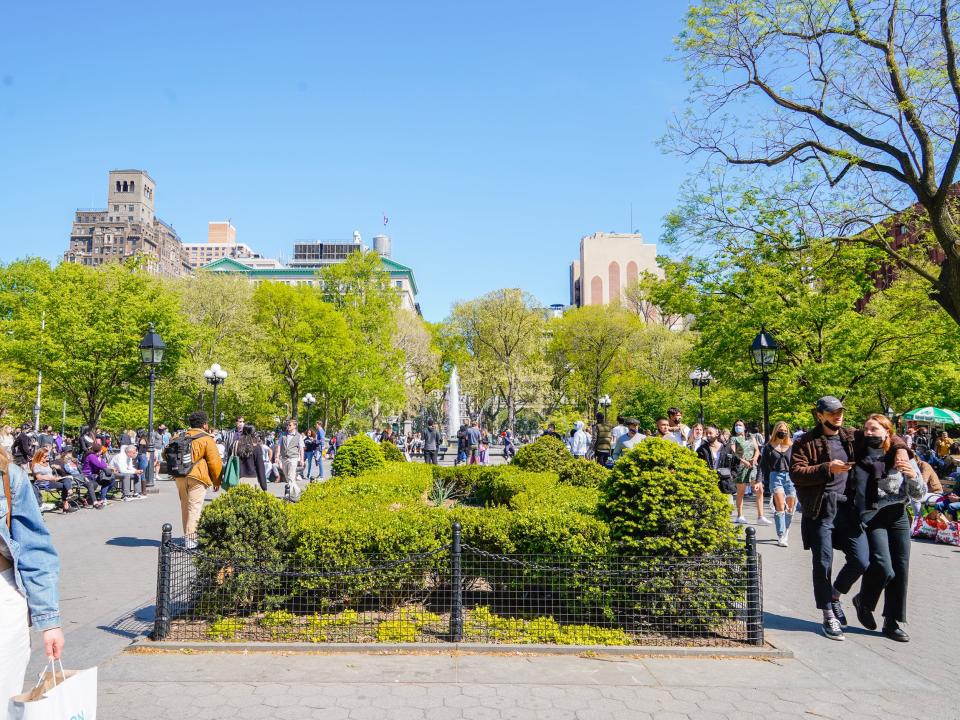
point(661, 499)
point(242, 533)
point(583, 473)
point(546, 453)
point(391, 453)
point(356, 456)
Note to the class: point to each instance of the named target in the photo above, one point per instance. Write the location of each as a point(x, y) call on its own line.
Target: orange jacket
point(207, 464)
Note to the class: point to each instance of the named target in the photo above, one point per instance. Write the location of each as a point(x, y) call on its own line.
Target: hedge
point(356, 456)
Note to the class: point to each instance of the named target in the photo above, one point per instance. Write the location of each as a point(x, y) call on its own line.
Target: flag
point(385, 219)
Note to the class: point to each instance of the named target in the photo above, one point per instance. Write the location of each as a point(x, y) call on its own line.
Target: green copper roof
point(226, 264)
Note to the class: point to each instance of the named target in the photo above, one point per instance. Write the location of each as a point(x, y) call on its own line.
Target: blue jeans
point(780, 481)
point(308, 458)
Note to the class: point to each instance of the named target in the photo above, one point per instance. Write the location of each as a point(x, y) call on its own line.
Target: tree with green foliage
point(838, 114)
point(92, 322)
point(504, 334)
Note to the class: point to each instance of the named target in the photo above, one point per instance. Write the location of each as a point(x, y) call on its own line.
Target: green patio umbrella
point(940, 416)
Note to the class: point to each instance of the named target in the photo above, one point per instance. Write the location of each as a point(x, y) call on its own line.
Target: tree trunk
point(511, 407)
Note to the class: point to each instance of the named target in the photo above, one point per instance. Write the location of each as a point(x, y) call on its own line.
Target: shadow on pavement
point(126, 541)
point(134, 624)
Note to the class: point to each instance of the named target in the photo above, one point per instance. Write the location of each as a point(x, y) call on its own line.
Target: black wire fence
point(459, 593)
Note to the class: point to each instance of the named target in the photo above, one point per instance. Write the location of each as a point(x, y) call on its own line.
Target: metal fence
point(460, 593)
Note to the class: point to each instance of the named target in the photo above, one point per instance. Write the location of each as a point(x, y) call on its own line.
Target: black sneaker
point(831, 628)
point(893, 631)
point(864, 616)
point(838, 611)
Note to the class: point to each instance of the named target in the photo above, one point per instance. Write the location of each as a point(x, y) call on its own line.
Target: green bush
point(583, 473)
point(391, 452)
point(241, 533)
point(469, 480)
point(543, 455)
point(661, 499)
point(356, 456)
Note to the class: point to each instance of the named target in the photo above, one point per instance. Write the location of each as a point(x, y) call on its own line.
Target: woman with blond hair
point(6, 437)
point(775, 466)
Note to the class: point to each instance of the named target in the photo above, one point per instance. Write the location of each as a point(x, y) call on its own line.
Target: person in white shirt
point(665, 433)
point(579, 441)
point(124, 464)
point(618, 430)
point(680, 431)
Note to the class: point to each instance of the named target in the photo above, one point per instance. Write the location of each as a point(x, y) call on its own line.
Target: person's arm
point(802, 471)
point(37, 562)
point(214, 463)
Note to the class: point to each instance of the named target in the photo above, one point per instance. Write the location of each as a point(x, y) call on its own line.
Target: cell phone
point(849, 464)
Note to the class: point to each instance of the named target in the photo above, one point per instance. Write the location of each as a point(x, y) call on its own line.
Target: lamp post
point(700, 378)
point(763, 356)
point(151, 354)
point(605, 402)
point(215, 376)
point(309, 401)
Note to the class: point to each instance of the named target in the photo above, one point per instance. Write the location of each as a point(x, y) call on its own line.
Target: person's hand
point(53, 642)
point(837, 466)
point(953, 497)
point(757, 487)
point(904, 466)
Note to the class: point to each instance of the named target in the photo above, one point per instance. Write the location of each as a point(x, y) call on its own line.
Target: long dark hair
point(247, 442)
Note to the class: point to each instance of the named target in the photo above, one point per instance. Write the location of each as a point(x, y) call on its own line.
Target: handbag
point(231, 473)
point(58, 696)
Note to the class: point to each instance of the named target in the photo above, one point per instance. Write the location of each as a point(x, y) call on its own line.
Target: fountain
point(453, 404)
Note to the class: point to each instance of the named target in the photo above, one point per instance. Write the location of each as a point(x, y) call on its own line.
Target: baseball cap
point(630, 421)
point(828, 403)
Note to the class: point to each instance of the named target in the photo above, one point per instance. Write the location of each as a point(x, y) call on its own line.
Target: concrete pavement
point(109, 565)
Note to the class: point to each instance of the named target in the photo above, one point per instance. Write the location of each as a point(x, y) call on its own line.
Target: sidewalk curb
point(768, 652)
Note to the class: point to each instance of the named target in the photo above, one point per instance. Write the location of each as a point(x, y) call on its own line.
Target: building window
point(118, 186)
point(902, 230)
point(131, 188)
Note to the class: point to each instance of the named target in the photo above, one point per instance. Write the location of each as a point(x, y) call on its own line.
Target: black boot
point(893, 631)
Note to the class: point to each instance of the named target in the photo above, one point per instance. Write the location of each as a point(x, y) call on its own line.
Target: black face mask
point(829, 425)
point(874, 441)
point(781, 434)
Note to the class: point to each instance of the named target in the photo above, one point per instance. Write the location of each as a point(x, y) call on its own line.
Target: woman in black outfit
point(885, 483)
point(248, 450)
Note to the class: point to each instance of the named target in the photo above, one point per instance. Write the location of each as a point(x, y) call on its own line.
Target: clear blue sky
point(494, 135)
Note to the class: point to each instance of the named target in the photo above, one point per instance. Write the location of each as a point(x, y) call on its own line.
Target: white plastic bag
point(58, 695)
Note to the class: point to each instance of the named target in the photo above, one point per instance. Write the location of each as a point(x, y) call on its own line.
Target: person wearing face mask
point(885, 480)
point(747, 452)
point(632, 437)
point(775, 466)
point(717, 457)
point(820, 466)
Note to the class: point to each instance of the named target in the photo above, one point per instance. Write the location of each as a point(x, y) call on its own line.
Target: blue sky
point(494, 135)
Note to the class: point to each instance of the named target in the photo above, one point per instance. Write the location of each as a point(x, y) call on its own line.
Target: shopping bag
point(58, 695)
point(231, 473)
point(925, 526)
point(949, 535)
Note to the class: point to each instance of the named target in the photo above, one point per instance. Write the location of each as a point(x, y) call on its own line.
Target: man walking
point(632, 437)
point(680, 431)
point(288, 453)
point(321, 445)
point(473, 442)
point(230, 438)
point(431, 443)
point(205, 473)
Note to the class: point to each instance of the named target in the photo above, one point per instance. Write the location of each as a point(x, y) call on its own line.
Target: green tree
point(93, 320)
point(837, 113)
point(504, 334)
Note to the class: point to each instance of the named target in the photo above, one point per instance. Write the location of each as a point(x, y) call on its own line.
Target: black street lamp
point(309, 401)
point(151, 354)
point(700, 378)
point(605, 402)
point(215, 376)
point(763, 356)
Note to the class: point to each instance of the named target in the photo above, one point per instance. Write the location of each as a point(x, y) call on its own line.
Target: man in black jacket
point(431, 443)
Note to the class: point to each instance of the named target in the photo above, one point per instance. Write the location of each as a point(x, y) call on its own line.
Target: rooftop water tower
point(381, 245)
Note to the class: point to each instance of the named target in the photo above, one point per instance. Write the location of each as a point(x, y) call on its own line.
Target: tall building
point(127, 227)
point(608, 264)
point(221, 242)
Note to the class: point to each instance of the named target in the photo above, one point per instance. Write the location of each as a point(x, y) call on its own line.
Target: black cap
point(828, 403)
point(630, 421)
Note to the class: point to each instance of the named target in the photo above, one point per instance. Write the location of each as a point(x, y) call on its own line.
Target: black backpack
point(179, 454)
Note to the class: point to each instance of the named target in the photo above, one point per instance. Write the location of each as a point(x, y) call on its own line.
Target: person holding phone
point(820, 467)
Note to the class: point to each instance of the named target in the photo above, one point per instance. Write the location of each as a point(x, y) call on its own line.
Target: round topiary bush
point(545, 454)
point(356, 456)
point(661, 499)
point(243, 536)
point(391, 452)
point(583, 473)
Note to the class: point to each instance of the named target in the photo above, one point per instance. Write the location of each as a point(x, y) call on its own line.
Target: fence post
point(161, 620)
point(456, 581)
point(754, 591)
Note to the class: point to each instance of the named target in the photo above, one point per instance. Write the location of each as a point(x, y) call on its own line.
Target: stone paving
point(109, 564)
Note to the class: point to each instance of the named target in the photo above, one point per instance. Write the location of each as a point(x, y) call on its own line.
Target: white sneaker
point(47, 507)
point(782, 541)
point(763, 521)
point(741, 521)
point(786, 537)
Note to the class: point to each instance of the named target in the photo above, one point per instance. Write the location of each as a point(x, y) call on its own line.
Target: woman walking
point(775, 466)
point(885, 482)
point(309, 451)
point(747, 452)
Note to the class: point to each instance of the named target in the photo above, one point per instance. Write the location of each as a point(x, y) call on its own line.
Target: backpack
point(179, 454)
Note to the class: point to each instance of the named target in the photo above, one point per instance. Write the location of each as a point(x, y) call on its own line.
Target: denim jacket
point(36, 565)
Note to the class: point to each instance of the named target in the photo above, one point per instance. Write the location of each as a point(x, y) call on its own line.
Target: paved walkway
point(109, 560)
